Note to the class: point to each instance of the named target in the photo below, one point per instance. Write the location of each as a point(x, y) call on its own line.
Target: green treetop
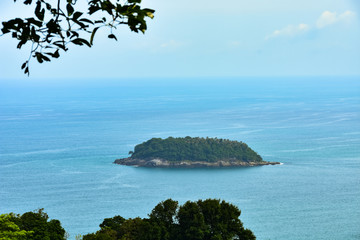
point(209, 219)
point(195, 149)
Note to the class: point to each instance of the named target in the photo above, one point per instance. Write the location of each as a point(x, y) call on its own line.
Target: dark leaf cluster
point(53, 28)
point(38, 226)
point(209, 219)
point(195, 149)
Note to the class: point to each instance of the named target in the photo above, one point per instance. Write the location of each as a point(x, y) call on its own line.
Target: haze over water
point(58, 142)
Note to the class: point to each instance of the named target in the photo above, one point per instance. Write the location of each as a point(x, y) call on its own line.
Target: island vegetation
point(192, 152)
point(209, 219)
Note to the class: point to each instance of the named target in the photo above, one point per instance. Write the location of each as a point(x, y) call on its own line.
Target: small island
point(191, 152)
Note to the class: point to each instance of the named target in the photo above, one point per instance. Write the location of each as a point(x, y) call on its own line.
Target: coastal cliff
point(193, 153)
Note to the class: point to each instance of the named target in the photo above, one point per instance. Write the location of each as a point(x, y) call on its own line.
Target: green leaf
point(74, 34)
point(112, 36)
point(149, 12)
point(5, 29)
point(34, 21)
point(62, 46)
point(56, 54)
point(48, 6)
point(92, 35)
point(150, 15)
point(93, 9)
point(38, 12)
point(69, 9)
point(81, 41)
point(77, 15)
point(53, 27)
point(107, 6)
point(86, 20)
point(23, 65)
point(38, 7)
point(42, 14)
point(46, 58)
point(80, 23)
point(38, 57)
point(21, 43)
point(34, 36)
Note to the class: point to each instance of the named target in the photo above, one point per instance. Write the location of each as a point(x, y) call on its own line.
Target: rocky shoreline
point(161, 163)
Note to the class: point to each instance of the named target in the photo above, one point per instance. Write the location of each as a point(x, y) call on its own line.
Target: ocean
point(58, 141)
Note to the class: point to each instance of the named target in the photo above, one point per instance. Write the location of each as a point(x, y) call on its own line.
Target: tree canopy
point(30, 226)
point(9, 230)
point(209, 219)
point(54, 27)
point(195, 149)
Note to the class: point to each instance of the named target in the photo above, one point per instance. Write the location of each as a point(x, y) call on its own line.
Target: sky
point(189, 39)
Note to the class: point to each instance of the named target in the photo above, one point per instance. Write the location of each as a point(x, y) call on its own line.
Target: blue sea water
point(58, 141)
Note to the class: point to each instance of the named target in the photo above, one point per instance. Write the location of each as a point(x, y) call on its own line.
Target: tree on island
point(54, 27)
point(195, 149)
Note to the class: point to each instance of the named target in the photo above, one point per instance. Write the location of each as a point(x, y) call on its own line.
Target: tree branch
point(58, 11)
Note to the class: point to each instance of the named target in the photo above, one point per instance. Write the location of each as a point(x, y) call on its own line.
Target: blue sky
point(209, 38)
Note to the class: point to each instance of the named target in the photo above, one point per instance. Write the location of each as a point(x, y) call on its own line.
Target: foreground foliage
point(9, 230)
point(54, 26)
point(210, 219)
point(195, 149)
point(30, 226)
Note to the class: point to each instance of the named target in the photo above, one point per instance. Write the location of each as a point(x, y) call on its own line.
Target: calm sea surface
point(58, 142)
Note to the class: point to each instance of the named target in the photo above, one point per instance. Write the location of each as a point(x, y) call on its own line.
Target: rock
point(161, 163)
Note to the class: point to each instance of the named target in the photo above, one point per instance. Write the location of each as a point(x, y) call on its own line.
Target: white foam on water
point(129, 185)
point(65, 172)
point(352, 133)
point(312, 149)
point(251, 131)
point(15, 164)
point(47, 151)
